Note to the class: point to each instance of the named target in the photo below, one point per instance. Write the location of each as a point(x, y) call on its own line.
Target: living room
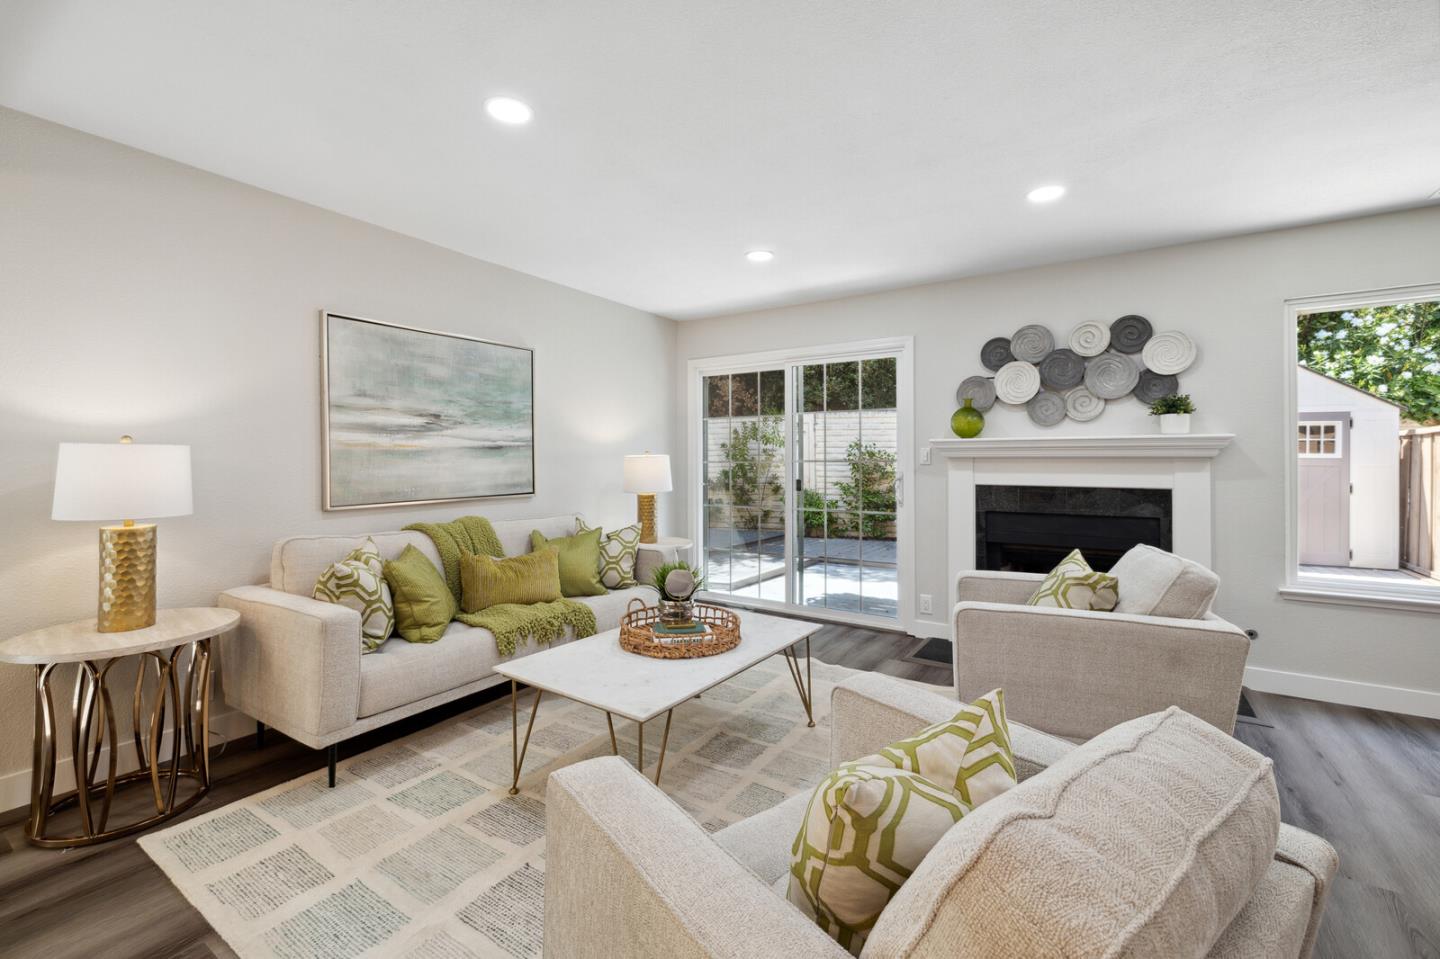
point(516, 395)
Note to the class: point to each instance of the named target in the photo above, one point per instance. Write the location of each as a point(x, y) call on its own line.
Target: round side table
point(670, 547)
point(181, 682)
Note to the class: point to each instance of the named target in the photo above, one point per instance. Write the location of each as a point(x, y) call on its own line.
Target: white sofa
point(294, 663)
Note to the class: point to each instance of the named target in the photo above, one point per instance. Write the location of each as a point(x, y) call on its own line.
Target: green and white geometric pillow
point(969, 754)
point(865, 831)
point(358, 582)
point(617, 554)
point(1074, 585)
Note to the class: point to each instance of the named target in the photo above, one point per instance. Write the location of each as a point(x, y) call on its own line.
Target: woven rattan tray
point(638, 636)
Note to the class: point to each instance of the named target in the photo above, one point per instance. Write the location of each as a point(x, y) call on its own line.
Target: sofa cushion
point(358, 582)
point(1274, 920)
point(424, 605)
point(968, 754)
point(608, 608)
point(618, 551)
point(1153, 582)
point(486, 582)
point(762, 842)
point(1074, 585)
point(1147, 840)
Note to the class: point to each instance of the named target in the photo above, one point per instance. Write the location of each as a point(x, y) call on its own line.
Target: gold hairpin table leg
point(517, 749)
point(614, 746)
point(804, 682)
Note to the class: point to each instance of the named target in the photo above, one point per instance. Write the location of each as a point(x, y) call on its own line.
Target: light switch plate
point(924, 456)
point(926, 604)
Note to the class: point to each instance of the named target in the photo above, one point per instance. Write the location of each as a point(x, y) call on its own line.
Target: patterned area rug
point(420, 852)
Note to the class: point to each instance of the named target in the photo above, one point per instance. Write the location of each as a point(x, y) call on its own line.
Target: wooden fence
point(1420, 499)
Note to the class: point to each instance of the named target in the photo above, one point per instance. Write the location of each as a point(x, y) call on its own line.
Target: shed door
point(1323, 445)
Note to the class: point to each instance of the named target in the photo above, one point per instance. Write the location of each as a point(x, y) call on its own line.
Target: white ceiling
point(870, 144)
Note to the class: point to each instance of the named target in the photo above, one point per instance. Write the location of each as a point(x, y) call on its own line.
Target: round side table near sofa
point(172, 679)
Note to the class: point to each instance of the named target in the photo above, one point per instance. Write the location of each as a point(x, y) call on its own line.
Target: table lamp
point(123, 481)
point(645, 475)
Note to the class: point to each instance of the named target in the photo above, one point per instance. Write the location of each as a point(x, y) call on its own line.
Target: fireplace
point(1031, 528)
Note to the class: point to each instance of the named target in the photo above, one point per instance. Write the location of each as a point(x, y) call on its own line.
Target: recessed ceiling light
point(760, 256)
point(1046, 194)
point(509, 110)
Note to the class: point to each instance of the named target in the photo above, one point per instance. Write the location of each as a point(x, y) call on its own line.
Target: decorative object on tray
point(967, 421)
point(1090, 338)
point(1032, 343)
point(415, 416)
point(645, 475)
point(980, 390)
point(1111, 376)
point(1016, 382)
point(1063, 369)
point(1082, 406)
point(1174, 412)
point(1169, 352)
point(1154, 385)
point(1130, 333)
point(996, 353)
point(677, 584)
point(711, 631)
point(1046, 408)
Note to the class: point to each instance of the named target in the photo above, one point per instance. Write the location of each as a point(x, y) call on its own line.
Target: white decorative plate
point(1167, 353)
point(1090, 338)
point(1032, 343)
point(1111, 375)
point(1017, 382)
point(1082, 406)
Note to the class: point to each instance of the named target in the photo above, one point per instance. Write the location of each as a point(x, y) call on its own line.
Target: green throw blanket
point(509, 622)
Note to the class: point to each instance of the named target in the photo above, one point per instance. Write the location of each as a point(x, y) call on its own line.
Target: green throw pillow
point(579, 561)
point(532, 578)
point(1074, 585)
point(969, 754)
point(618, 550)
point(358, 582)
point(423, 603)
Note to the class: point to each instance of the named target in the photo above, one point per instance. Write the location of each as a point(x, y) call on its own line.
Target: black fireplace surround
point(1031, 528)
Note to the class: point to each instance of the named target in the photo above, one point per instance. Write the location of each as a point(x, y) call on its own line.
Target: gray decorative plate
point(996, 353)
point(1046, 409)
point(1154, 385)
point(1130, 333)
point(1171, 352)
point(1032, 343)
point(1062, 370)
point(1090, 338)
point(1082, 406)
point(1111, 376)
point(1017, 382)
point(979, 390)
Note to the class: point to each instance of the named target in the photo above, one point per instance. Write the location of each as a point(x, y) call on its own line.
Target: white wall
point(1374, 465)
point(1229, 296)
point(141, 296)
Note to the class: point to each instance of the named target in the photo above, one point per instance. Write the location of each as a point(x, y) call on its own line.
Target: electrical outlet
point(926, 606)
point(924, 456)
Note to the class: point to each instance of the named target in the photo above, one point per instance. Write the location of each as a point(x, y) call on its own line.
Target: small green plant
point(677, 588)
point(1174, 403)
point(869, 495)
point(813, 511)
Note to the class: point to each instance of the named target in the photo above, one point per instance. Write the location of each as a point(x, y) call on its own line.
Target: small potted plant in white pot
point(1174, 412)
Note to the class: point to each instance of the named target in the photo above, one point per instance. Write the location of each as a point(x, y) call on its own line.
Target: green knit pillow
point(579, 561)
point(1074, 585)
point(532, 578)
point(358, 582)
point(424, 605)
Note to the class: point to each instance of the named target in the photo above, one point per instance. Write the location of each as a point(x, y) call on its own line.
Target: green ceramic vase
point(967, 421)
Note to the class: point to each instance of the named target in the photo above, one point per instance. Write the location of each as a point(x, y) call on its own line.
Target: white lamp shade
point(117, 481)
point(647, 473)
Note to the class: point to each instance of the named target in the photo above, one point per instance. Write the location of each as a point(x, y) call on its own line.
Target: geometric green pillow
point(969, 754)
point(358, 582)
point(618, 549)
point(1074, 585)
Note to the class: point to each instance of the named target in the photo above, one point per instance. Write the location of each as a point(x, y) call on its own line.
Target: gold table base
point(94, 728)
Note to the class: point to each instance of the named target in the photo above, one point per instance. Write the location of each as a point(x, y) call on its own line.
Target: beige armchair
point(1076, 673)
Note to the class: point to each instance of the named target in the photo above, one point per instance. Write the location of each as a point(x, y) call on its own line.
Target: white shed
point(1349, 449)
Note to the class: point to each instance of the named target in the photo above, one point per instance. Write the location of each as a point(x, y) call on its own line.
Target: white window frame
point(1310, 426)
point(1313, 587)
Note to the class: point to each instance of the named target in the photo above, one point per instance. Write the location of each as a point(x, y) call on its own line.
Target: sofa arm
point(292, 663)
point(989, 586)
point(1317, 857)
point(871, 710)
point(629, 873)
point(1075, 673)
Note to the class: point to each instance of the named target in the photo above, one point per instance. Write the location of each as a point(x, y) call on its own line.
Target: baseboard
point(929, 629)
point(1346, 692)
point(15, 786)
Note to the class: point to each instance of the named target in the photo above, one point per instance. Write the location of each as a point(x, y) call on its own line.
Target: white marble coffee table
point(597, 672)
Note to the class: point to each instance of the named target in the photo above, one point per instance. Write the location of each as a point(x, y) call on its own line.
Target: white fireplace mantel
point(1177, 462)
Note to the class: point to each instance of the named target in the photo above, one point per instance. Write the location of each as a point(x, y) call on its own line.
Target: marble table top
point(79, 642)
point(597, 672)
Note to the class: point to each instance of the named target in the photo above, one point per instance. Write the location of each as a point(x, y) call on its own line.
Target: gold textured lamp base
point(127, 578)
point(645, 510)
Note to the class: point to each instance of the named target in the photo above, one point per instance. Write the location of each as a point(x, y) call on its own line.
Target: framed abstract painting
point(416, 416)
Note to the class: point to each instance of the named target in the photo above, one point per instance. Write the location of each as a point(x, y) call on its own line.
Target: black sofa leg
point(259, 735)
point(332, 754)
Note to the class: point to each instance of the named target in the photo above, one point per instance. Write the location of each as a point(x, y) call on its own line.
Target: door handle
point(899, 489)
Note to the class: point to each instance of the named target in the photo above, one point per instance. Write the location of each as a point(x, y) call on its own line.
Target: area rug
point(419, 851)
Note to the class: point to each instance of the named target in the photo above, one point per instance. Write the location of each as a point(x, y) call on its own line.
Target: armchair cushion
point(1156, 583)
point(968, 754)
point(1074, 585)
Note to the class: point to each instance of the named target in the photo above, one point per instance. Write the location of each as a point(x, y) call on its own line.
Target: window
point(1319, 439)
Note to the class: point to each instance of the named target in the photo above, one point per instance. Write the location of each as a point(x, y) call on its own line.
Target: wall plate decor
point(979, 390)
point(1130, 333)
point(1063, 369)
point(1046, 408)
point(1090, 338)
point(1154, 385)
point(1082, 406)
point(996, 353)
point(415, 416)
point(1017, 382)
point(1171, 352)
point(1111, 375)
point(1032, 343)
